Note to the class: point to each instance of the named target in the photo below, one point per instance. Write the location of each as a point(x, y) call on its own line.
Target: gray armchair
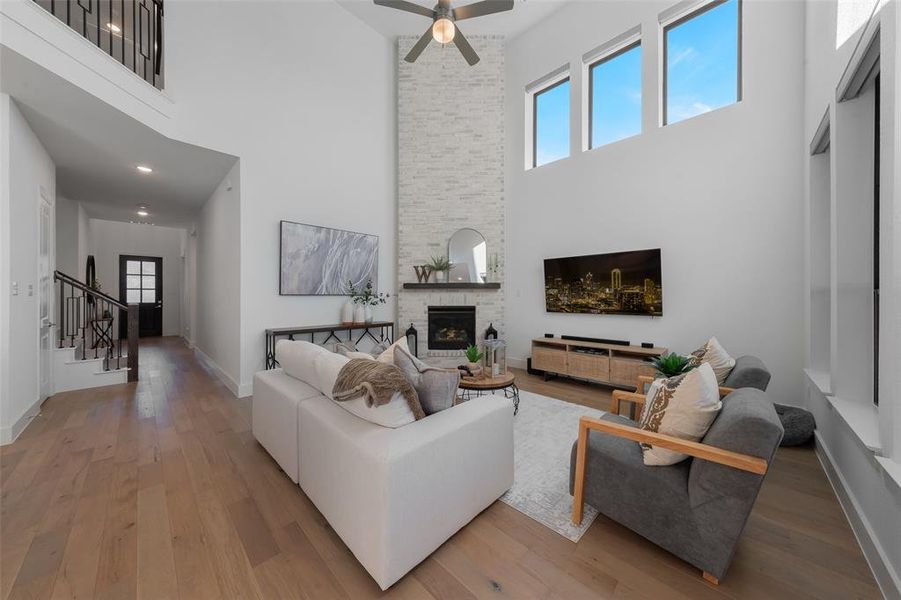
point(695, 509)
point(749, 371)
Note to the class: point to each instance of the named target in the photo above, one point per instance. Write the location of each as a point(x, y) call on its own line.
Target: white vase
point(347, 312)
point(367, 314)
point(359, 313)
point(441, 276)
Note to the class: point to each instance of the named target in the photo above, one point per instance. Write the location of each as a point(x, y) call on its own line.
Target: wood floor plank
point(159, 490)
point(156, 576)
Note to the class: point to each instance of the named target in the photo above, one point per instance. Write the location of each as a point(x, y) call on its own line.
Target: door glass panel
point(148, 283)
point(133, 267)
point(132, 281)
point(149, 267)
point(148, 296)
point(133, 296)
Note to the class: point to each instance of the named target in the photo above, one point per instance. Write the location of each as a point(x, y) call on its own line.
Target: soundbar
point(576, 338)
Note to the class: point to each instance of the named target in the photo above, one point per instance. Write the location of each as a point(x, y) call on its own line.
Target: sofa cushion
point(297, 359)
point(683, 406)
point(436, 388)
point(384, 352)
point(326, 367)
point(716, 356)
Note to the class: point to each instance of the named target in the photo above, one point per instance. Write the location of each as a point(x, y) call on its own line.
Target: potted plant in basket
point(364, 300)
point(475, 359)
point(440, 266)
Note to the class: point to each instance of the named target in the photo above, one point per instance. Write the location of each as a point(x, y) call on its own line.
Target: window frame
point(696, 11)
point(547, 83)
point(614, 53)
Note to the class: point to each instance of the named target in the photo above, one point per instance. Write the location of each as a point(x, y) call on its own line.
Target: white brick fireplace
point(450, 120)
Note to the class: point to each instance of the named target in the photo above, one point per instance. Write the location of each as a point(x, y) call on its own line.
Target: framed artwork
point(321, 261)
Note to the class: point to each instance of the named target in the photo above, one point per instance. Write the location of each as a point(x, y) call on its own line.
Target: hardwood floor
point(159, 490)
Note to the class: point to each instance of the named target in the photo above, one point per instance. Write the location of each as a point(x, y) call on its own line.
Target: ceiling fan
point(444, 28)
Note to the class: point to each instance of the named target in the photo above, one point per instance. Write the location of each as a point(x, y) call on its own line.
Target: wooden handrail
point(82, 314)
point(60, 276)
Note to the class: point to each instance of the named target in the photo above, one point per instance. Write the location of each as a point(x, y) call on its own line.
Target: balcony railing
point(130, 31)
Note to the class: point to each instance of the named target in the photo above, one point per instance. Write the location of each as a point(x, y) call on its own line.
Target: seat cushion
point(276, 396)
point(620, 485)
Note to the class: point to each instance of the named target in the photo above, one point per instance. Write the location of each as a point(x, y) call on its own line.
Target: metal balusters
point(144, 31)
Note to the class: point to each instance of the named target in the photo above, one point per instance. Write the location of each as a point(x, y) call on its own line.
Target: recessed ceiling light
point(144, 169)
point(113, 27)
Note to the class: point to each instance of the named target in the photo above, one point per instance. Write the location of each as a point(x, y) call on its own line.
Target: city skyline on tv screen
point(628, 283)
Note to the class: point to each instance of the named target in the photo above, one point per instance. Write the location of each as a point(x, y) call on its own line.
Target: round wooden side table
point(480, 385)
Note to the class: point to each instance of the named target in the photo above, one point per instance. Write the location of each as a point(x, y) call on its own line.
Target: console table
point(385, 331)
point(610, 364)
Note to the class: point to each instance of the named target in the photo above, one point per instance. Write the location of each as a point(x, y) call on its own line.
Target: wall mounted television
point(618, 283)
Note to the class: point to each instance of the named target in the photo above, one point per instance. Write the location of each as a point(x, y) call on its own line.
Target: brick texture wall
point(450, 121)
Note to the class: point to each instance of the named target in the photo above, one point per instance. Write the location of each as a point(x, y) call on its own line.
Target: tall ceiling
point(97, 148)
point(393, 23)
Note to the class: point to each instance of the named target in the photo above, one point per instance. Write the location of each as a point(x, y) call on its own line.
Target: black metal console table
point(385, 330)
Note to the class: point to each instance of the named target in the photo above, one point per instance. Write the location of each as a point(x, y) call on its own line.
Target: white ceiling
point(96, 149)
point(393, 23)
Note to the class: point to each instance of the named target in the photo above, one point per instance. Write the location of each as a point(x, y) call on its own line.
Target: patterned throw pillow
point(716, 356)
point(436, 388)
point(684, 407)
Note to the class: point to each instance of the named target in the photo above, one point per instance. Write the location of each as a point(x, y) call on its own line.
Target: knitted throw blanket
point(377, 382)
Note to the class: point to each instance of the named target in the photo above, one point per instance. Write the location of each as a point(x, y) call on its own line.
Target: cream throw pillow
point(716, 356)
point(684, 407)
point(387, 356)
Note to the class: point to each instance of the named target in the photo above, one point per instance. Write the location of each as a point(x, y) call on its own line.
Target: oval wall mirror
point(468, 252)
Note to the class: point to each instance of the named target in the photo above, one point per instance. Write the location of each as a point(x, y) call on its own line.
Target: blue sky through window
point(616, 98)
point(552, 124)
point(702, 63)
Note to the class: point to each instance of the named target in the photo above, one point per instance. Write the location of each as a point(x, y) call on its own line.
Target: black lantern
point(413, 340)
point(491, 332)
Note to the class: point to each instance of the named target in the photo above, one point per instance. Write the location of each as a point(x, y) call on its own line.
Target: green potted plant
point(440, 266)
point(475, 359)
point(672, 364)
point(364, 300)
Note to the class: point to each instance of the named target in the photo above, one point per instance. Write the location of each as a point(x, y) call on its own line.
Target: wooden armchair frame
point(744, 462)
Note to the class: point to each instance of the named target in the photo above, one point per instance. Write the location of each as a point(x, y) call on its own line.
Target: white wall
point(67, 240)
point(25, 171)
point(110, 239)
point(720, 194)
point(216, 254)
point(311, 118)
point(857, 442)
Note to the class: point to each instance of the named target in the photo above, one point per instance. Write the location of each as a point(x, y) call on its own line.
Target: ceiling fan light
point(443, 30)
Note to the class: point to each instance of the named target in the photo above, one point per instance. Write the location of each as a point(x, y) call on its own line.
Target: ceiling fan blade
point(420, 45)
point(407, 6)
point(465, 49)
point(478, 9)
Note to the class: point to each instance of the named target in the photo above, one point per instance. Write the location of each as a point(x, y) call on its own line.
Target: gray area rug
point(544, 431)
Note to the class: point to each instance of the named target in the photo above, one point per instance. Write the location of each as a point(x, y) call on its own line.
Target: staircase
point(90, 352)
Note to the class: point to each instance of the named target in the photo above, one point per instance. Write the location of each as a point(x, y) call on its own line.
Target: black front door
point(141, 282)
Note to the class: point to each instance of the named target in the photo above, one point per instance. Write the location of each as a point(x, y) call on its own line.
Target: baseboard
point(222, 375)
point(245, 390)
point(9, 434)
point(883, 571)
point(516, 363)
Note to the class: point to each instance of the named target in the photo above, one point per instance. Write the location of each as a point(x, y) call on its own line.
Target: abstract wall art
point(321, 261)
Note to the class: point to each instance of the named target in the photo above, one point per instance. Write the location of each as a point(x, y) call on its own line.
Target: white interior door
point(45, 297)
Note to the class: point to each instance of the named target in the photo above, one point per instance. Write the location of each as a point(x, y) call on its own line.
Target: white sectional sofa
point(393, 495)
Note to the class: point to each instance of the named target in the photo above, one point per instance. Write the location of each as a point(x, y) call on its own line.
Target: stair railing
point(89, 321)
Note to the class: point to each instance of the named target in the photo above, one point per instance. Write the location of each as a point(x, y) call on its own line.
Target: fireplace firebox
point(452, 327)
